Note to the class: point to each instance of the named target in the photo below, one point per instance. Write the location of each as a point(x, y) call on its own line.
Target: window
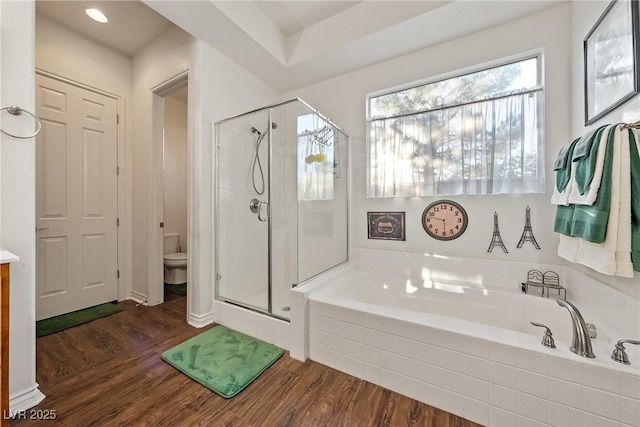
point(476, 133)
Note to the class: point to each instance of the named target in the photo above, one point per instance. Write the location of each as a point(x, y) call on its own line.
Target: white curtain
point(315, 168)
point(486, 147)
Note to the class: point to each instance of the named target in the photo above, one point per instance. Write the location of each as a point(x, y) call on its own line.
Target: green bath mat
point(176, 289)
point(223, 360)
point(65, 321)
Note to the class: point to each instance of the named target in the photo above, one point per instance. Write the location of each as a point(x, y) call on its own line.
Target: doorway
point(169, 210)
point(76, 197)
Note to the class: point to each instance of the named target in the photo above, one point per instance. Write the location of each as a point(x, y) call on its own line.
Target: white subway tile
point(402, 346)
point(601, 403)
point(565, 370)
point(532, 361)
point(398, 364)
point(630, 411)
point(429, 335)
point(528, 422)
point(429, 353)
point(532, 383)
point(564, 416)
point(339, 344)
point(429, 373)
point(476, 411)
point(452, 381)
point(533, 407)
point(364, 353)
point(429, 394)
point(476, 389)
point(503, 375)
point(476, 347)
point(452, 402)
point(452, 360)
point(631, 386)
point(604, 379)
point(452, 341)
point(503, 397)
point(504, 354)
point(476, 367)
point(498, 417)
point(592, 420)
point(565, 393)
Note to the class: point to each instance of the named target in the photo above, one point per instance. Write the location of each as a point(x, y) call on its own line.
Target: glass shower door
point(242, 157)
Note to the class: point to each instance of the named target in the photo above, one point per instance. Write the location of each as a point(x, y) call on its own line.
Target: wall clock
point(445, 220)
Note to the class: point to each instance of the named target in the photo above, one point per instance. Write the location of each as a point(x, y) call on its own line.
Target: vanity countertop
point(6, 256)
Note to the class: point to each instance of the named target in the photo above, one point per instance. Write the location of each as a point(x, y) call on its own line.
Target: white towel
point(562, 198)
point(613, 256)
point(590, 196)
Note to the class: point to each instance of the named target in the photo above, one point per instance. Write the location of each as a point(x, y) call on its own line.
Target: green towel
point(583, 146)
point(635, 201)
point(562, 166)
point(584, 157)
point(589, 222)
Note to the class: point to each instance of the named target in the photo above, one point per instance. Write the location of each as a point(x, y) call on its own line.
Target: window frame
point(538, 54)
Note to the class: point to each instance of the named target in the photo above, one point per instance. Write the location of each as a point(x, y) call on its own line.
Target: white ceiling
point(291, 44)
point(132, 24)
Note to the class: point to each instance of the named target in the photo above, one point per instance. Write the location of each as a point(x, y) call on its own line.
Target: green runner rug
point(222, 359)
point(65, 321)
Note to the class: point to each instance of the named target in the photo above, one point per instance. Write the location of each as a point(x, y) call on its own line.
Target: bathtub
point(456, 341)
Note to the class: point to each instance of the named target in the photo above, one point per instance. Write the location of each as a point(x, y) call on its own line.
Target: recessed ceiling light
point(96, 15)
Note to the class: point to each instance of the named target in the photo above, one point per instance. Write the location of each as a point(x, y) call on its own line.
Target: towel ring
point(16, 111)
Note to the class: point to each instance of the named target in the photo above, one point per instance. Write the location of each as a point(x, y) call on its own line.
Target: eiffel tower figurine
point(527, 233)
point(496, 239)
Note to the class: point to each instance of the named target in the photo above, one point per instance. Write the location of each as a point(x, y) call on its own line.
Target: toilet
point(175, 263)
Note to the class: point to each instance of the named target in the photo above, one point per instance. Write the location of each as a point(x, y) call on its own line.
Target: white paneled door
point(76, 198)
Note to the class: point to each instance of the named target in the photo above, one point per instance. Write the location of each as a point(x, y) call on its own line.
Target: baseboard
point(26, 399)
point(137, 297)
point(200, 321)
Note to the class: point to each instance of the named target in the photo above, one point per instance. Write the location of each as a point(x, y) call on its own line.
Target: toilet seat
point(175, 260)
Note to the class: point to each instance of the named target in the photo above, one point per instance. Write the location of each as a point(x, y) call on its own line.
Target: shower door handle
point(263, 207)
point(259, 206)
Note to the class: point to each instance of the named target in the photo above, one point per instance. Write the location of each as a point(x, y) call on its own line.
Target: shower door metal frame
point(216, 207)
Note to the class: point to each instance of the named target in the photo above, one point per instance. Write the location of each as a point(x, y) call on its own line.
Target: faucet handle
point(619, 355)
point(547, 339)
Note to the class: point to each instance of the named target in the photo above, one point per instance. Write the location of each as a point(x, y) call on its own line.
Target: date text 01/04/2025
point(30, 414)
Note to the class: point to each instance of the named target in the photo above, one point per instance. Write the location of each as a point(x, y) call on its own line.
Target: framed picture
point(611, 60)
point(386, 225)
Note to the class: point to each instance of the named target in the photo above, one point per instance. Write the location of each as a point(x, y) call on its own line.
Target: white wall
point(218, 89)
point(584, 14)
point(17, 196)
point(343, 100)
point(175, 168)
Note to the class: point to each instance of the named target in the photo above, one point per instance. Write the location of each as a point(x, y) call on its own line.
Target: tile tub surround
point(488, 381)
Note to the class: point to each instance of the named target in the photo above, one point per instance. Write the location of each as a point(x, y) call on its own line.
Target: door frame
point(124, 242)
point(155, 273)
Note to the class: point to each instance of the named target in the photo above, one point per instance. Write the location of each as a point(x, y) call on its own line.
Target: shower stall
point(281, 203)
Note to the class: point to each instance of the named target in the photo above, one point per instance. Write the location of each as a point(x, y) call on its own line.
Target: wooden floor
point(109, 373)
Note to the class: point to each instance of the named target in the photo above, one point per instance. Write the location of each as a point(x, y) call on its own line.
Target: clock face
point(444, 220)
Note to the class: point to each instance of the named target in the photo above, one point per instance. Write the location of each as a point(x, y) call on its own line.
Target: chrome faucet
point(581, 344)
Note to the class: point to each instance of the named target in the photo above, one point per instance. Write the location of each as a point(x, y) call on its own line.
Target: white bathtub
point(467, 346)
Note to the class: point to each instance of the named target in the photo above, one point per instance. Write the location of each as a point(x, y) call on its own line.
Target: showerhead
point(254, 130)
